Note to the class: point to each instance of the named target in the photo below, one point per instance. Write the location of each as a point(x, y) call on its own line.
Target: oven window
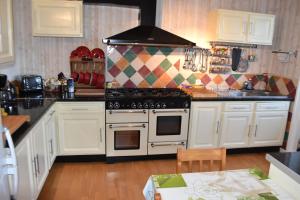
point(125, 140)
point(168, 125)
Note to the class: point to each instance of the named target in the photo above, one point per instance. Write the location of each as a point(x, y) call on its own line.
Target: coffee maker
point(7, 89)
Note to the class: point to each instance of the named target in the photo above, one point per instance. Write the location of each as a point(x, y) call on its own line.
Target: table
point(223, 185)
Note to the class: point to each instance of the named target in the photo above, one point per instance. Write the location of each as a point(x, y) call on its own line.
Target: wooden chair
point(200, 155)
point(157, 196)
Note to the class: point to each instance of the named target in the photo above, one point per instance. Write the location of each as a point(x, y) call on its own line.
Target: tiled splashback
point(137, 66)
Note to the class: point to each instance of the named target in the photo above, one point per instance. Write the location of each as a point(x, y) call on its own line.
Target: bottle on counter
point(70, 85)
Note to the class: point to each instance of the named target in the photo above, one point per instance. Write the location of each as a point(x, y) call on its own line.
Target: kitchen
point(70, 118)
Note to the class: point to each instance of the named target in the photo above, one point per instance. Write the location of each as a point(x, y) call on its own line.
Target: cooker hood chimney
point(146, 34)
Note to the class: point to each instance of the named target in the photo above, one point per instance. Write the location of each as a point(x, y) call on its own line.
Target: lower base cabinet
point(81, 128)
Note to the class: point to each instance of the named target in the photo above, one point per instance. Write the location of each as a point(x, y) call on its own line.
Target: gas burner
point(145, 98)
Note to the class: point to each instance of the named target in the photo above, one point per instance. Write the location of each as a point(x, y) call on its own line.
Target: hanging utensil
point(186, 61)
point(194, 67)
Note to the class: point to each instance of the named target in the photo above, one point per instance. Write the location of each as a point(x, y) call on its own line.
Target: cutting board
point(13, 122)
point(89, 92)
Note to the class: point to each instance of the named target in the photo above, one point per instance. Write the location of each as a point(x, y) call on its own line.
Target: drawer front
point(271, 106)
point(165, 147)
point(238, 106)
point(124, 116)
point(81, 107)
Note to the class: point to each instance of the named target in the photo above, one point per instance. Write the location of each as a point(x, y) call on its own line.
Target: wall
point(189, 19)
point(48, 55)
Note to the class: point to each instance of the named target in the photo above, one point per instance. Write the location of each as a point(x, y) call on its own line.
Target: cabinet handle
point(35, 168)
point(80, 109)
point(249, 130)
point(244, 27)
point(51, 147)
point(218, 125)
point(255, 130)
point(38, 164)
point(251, 27)
point(101, 135)
point(52, 113)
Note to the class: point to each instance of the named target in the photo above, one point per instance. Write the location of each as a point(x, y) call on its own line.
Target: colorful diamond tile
point(114, 71)
point(218, 79)
point(129, 71)
point(144, 56)
point(144, 84)
point(158, 84)
point(137, 63)
point(144, 71)
point(110, 63)
point(154, 61)
point(136, 78)
point(254, 80)
point(236, 76)
point(152, 50)
point(122, 49)
point(177, 65)
point(192, 79)
point(172, 84)
point(158, 71)
point(165, 79)
point(290, 86)
point(179, 79)
point(165, 64)
point(137, 49)
point(151, 78)
point(129, 56)
point(166, 50)
point(129, 84)
point(122, 63)
point(236, 86)
point(205, 79)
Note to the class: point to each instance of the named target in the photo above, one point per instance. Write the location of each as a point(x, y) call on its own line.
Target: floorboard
point(124, 180)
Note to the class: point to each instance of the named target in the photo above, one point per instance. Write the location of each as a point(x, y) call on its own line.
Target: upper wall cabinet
point(57, 18)
point(241, 27)
point(6, 32)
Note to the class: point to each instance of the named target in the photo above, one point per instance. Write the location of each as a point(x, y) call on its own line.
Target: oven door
point(167, 125)
point(128, 139)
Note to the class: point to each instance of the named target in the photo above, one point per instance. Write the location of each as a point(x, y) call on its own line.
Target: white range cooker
point(148, 121)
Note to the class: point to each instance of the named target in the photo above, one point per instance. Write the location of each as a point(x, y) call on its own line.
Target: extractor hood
point(148, 36)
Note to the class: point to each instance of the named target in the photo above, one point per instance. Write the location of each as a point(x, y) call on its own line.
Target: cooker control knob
point(140, 105)
point(133, 105)
point(146, 106)
point(157, 105)
point(163, 105)
point(186, 104)
point(151, 105)
point(110, 105)
point(116, 105)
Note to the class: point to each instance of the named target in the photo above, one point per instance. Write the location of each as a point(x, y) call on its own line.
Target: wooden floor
point(124, 180)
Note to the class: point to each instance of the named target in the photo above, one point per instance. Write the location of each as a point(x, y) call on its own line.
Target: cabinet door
point(235, 129)
point(204, 124)
point(81, 133)
point(40, 155)
point(261, 29)
point(232, 26)
point(57, 18)
point(50, 130)
point(269, 128)
point(6, 32)
point(25, 170)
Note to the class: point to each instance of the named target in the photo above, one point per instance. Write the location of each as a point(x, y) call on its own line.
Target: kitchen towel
point(236, 56)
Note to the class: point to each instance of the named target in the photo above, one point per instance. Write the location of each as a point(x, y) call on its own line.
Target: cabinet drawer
point(270, 106)
point(81, 107)
point(165, 147)
point(238, 106)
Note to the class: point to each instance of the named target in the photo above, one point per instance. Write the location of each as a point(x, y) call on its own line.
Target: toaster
point(31, 83)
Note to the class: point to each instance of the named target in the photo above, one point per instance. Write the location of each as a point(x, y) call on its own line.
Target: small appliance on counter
point(31, 83)
point(7, 89)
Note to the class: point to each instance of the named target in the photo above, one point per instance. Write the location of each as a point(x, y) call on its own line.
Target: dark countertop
point(287, 162)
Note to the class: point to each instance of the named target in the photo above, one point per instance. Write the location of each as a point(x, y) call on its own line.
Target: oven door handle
point(127, 126)
point(169, 111)
point(167, 144)
point(127, 111)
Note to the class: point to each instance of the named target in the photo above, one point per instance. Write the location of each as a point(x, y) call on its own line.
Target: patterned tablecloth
point(223, 185)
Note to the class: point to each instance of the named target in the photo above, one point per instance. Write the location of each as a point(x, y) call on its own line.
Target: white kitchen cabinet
point(6, 32)
point(26, 189)
point(261, 29)
point(81, 128)
point(39, 155)
point(50, 131)
point(204, 124)
point(269, 128)
point(241, 27)
point(57, 18)
point(235, 129)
